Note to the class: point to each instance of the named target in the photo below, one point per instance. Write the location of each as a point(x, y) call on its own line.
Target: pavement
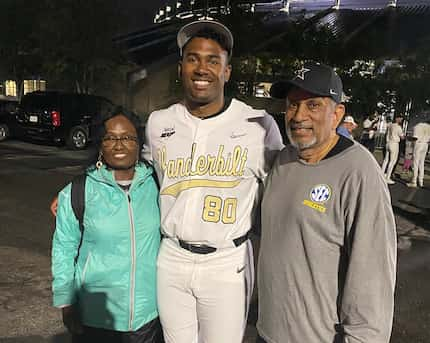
point(31, 175)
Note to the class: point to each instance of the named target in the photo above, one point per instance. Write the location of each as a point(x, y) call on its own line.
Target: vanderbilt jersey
point(210, 170)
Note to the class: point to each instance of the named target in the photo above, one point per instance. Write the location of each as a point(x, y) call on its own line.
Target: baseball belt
point(206, 249)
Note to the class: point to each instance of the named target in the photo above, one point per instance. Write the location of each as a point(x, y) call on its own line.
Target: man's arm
point(54, 205)
point(367, 305)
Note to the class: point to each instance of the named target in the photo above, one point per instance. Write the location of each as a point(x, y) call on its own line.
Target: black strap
point(196, 248)
point(239, 240)
point(206, 249)
point(78, 204)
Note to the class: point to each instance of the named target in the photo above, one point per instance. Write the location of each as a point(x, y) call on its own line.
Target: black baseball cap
point(188, 31)
point(313, 77)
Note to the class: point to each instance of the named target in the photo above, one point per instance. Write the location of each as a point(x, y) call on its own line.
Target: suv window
point(89, 106)
point(8, 106)
point(104, 105)
point(39, 101)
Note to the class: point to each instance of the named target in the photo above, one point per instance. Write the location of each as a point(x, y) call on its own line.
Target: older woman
point(106, 282)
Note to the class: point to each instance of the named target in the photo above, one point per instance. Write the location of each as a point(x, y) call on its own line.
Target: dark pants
point(149, 333)
point(369, 144)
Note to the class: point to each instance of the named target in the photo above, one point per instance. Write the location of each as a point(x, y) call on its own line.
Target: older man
point(327, 261)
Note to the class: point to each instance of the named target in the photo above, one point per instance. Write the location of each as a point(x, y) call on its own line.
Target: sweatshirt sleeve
point(367, 305)
point(273, 143)
point(64, 249)
point(147, 151)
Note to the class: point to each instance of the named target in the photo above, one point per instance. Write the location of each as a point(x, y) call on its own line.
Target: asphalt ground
point(30, 175)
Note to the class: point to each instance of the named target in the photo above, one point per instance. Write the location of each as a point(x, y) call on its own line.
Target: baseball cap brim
point(189, 30)
point(280, 89)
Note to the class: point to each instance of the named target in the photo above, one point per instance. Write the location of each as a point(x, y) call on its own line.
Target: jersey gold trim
point(178, 187)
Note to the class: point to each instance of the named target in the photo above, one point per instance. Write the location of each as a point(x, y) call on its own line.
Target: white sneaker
point(390, 182)
point(411, 185)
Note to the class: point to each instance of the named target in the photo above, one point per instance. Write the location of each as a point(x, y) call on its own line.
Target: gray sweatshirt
point(327, 265)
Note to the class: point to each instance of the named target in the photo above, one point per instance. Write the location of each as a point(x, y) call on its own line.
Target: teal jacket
point(114, 279)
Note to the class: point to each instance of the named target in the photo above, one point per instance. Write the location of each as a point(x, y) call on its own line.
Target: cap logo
point(300, 74)
point(332, 92)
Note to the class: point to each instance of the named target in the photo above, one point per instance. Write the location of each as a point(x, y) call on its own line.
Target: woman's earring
point(99, 162)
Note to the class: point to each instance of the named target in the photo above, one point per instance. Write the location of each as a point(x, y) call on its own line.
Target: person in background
point(346, 127)
point(394, 135)
point(368, 135)
point(327, 265)
point(409, 153)
point(422, 136)
point(104, 278)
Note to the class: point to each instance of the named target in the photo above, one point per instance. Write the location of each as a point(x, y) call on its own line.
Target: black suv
point(60, 117)
point(8, 109)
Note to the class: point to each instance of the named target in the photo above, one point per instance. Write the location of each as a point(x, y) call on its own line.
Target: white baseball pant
point(390, 159)
point(204, 296)
point(420, 152)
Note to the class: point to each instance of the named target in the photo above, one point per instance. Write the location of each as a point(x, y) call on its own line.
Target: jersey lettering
point(230, 164)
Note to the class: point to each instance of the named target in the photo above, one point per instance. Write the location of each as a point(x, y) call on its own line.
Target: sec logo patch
point(320, 193)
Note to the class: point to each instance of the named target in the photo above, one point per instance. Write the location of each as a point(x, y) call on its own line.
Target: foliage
point(19, 48)
point(69, 42)
point(278, 52)
point(77, 45)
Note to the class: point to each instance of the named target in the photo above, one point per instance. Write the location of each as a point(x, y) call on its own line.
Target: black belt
point(206, 249)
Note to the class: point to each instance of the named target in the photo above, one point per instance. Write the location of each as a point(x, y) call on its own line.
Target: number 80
point(214, 210)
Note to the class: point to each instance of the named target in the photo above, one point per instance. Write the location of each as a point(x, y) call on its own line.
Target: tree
point(77, 42)
point(19, 49)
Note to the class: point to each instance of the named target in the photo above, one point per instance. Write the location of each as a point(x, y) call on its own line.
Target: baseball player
point(394, 135)
point(211, 155)
point(422, 136)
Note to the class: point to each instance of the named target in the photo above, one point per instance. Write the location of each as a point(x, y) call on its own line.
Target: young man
point(394, 135)
point(327, 261)
point(211, 156)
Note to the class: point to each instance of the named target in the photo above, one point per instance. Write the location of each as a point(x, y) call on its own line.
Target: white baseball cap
point(349, 119)
point(187, 31)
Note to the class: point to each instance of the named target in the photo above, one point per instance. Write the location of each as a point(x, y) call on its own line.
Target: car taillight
point(56, 118)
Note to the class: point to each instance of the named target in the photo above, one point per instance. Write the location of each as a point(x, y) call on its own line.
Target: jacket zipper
point(84, 271)
point(133, 261)
point(133, 251)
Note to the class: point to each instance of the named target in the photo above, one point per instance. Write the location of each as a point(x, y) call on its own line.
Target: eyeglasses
point(110, 141)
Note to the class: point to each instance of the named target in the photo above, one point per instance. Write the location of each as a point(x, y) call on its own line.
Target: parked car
point(60, 117)
point(8, 108)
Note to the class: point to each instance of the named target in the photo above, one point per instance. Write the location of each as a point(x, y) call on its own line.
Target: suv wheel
point(4, 132)
point(78, 138)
